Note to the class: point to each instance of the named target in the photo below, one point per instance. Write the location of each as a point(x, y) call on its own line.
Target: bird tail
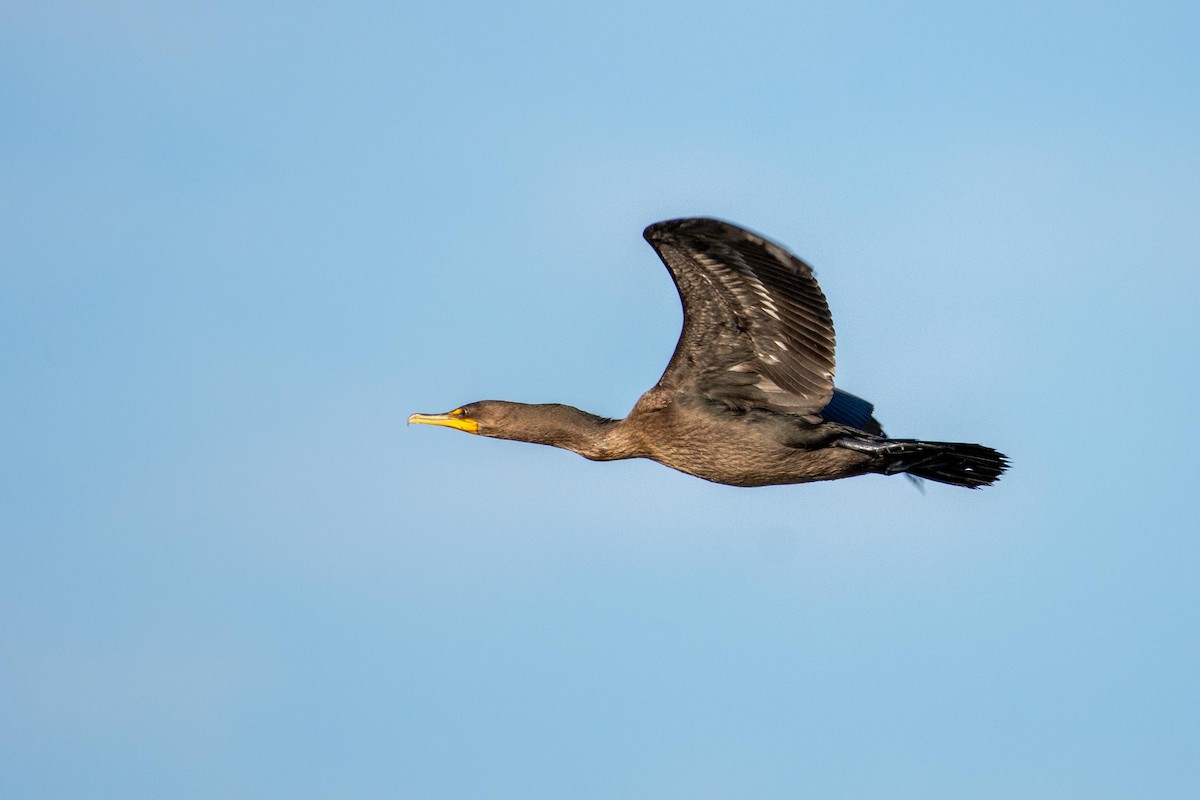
point(955, 463)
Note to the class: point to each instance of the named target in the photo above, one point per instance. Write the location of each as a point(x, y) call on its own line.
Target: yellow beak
point(455, 419)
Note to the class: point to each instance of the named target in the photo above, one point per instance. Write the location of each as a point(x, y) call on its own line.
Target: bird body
point(752, 448)
point(747, 398)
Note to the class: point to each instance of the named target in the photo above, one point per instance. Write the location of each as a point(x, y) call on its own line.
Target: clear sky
point(240, 242)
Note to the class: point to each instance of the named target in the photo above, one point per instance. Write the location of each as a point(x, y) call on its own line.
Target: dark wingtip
point(695, 226)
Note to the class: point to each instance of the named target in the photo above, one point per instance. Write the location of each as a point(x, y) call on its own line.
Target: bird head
point(465, 418)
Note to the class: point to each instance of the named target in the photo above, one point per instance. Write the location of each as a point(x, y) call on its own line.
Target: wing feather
point(756, 328)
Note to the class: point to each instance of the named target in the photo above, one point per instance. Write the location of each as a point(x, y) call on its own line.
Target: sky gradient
point(238, 246)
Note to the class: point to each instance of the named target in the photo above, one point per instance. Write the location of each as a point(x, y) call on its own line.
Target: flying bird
point(747, 398)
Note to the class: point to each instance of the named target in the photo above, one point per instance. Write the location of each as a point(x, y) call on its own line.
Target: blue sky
point(239, 245)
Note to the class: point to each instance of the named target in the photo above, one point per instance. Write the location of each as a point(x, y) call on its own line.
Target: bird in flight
point(747, 398)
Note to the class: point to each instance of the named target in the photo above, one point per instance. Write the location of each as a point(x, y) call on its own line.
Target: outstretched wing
point(848, 409)
point(756, 329)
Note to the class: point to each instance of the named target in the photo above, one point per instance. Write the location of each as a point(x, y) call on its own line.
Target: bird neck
point(570, 428)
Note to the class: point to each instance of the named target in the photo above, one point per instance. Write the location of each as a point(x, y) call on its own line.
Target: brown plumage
point(747, 398)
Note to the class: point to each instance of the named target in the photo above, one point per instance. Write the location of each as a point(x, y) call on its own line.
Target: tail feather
point(955, 463)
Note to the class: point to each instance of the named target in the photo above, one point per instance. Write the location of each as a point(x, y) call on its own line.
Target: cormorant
point(748, 397)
